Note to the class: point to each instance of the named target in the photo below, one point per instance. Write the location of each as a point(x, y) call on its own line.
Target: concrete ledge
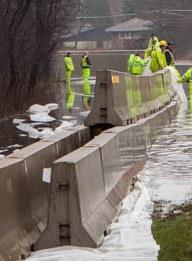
point(24, 196)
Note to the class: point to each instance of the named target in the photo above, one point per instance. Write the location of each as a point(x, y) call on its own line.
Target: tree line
point(29, 34)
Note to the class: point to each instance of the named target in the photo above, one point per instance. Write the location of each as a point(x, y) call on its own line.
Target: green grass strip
point(174, 235)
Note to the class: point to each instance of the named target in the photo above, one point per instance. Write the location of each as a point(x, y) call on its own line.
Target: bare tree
point(29, 34)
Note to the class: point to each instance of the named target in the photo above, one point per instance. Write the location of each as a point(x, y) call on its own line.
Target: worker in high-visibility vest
point(158, 59)
point(86, 73)
point(187, 77)
point(169, 54)
point(136, 64)
point(170, 58)
point(152, 45)
point(69, 69)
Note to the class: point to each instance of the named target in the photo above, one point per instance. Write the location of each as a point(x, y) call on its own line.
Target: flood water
point(167, 173)
point(14, 137)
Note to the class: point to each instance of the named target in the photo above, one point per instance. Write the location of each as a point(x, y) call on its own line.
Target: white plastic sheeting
point(17, 121)
point(39, 115)
point(178, 87)
point(65, 125)
point(37, 108)
point(45, 132)
point(130, 237)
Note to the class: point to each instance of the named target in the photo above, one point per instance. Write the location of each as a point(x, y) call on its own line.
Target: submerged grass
point(174, 235)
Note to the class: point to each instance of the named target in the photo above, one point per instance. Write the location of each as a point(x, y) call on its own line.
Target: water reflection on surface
point(167, 173)
point(12, 136)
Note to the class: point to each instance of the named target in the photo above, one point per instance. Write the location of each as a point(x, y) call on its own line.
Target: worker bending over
point(136, 64)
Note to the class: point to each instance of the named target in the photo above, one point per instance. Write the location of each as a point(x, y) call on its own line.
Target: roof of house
point(92, 34)
point(131, 25)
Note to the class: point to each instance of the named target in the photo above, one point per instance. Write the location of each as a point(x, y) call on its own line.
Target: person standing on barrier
point(158, 59)
point(86, 73)
point(69, 69)
point(136, 64)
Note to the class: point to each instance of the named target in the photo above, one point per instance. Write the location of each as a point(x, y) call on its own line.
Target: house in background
point(89, 38)
point(131, 34)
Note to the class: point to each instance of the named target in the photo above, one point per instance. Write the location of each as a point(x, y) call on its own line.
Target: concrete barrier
point(24, 196)
point(89, 184)
point(121, 98)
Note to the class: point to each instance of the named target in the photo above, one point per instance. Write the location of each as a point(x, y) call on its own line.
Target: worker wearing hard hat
point(158, 59)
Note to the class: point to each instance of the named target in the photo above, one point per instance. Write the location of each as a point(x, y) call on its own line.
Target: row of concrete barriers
point(24, 197)
point(122, 98)
point(89, 184)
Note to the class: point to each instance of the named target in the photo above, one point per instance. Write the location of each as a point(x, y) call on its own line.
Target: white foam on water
point(130, 237)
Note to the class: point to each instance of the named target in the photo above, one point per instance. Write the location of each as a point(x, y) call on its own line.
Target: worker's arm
point(187, 77)
point(145, 61)
point(130, 62)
